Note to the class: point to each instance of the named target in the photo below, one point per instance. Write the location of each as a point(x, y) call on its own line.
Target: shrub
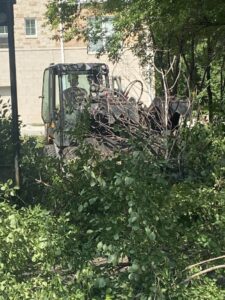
point(123, 227)
point(142, 216)
point(6, 147)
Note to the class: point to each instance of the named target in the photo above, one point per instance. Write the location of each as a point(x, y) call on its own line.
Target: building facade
point(35, 50)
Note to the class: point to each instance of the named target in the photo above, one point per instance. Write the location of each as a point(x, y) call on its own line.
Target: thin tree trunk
point(222, 81)
point(192, 65)
point(208, 76)
point(175, 75)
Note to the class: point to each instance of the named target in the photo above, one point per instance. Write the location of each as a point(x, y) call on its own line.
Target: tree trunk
point(222, 81)
point(192, 66)
point(208, 76)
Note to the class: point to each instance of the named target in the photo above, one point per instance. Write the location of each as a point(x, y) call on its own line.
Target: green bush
point(6, 148)
point(122, 227)
point(36, 253)
point(149, 218)
point(202, 150)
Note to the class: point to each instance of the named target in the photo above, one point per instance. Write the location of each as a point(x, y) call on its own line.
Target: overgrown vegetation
point(135, 225)
point(5, 132)
point(6, 147)
point(122, 227)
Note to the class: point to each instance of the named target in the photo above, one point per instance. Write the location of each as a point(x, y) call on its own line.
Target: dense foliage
point(122, 227)
point(5, 133)
point(133, 225)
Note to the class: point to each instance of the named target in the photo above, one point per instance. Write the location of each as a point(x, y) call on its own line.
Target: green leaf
point(13, 221)
point(93, 183)
point(101, 282)
point(116, 237)
point(99, 245)
point(129, 181)
point(93, 200)
point(80, 208)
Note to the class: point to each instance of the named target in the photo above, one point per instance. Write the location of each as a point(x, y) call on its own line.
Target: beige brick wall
point(31, 9)
point(35, 9)
point(4, 62)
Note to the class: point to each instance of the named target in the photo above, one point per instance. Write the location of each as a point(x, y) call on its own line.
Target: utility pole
point(7, 19)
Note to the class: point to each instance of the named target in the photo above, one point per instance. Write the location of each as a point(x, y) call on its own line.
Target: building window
point(31, 27)
point(3, 30)
point(3, 37)
point(101, 29)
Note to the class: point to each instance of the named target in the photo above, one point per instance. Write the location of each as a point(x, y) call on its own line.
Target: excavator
point(81, 103)
point(72, 91)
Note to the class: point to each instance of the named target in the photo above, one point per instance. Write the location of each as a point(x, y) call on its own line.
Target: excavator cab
point(67, 89)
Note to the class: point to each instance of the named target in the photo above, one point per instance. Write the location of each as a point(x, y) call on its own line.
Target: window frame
point(4, 38)
point(30, 27)
point(5, 33)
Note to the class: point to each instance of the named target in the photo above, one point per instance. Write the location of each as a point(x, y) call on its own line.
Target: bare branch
point(204, 262)
point(202, 273)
